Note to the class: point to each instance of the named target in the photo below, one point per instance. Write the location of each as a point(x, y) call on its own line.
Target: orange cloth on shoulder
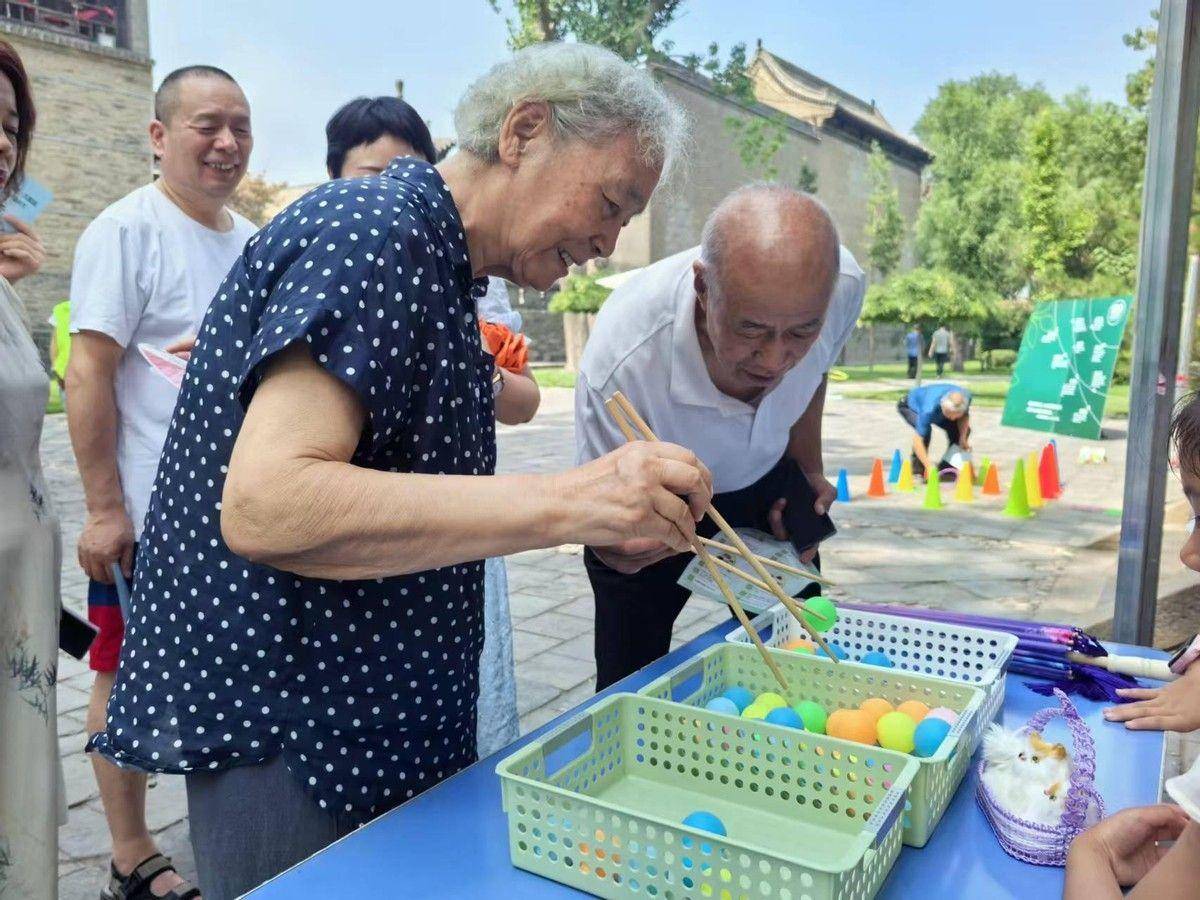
point(510, 348)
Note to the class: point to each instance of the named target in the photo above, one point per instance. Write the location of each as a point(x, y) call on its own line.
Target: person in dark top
point(306, 616)
point(948, 407)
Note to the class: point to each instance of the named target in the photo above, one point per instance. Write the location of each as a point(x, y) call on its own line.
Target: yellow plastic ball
point(895, 732)
point(754, 711)
point(769, 701)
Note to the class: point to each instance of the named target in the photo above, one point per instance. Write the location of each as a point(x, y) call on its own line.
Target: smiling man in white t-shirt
point(145, 271)
point(724, 349)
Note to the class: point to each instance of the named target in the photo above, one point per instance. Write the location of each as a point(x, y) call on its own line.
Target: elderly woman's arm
point(519, 399)
point(293, 501)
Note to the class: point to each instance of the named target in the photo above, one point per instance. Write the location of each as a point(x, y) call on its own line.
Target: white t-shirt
point(145, 272)
point(644, 344)
point(941, 341)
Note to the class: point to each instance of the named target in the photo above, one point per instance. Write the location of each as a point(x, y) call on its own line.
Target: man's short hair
point(365, 120)
point(955, 402)
point(166, 98)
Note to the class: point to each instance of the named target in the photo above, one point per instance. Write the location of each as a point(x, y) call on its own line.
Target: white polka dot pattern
point(368, 688)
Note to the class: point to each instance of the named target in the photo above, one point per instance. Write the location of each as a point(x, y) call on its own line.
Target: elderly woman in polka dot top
point(307, 610)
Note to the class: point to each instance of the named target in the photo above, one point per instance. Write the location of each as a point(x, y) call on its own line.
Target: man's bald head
point(166, 98)
point(765, 227)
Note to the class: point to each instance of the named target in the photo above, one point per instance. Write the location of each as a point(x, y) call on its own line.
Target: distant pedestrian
point(913, 342)
point(939, 348)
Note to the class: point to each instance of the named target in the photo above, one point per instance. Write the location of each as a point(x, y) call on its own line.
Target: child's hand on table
point(1175, 707)
point(1122, 847)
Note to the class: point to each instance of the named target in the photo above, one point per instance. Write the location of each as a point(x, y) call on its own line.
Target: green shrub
point(1001, 360)
point(580, 294)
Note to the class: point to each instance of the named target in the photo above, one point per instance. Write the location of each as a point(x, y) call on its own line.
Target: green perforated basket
point(846, 684)
point(599, 804)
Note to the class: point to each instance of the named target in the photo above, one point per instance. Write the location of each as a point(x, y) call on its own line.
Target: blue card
point(27, 203)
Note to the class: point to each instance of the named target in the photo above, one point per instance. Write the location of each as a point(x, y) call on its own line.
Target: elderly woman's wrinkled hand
point(642, 490)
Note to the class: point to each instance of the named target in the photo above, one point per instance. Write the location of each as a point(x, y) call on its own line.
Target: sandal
point(136, 885)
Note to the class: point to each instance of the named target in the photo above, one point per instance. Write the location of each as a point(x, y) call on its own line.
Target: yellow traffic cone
point(1033, 487)
point(962, 487)
point(905, 483)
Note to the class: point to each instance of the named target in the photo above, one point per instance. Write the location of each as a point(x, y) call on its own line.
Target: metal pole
point(1166, 205)
point(1187, 329)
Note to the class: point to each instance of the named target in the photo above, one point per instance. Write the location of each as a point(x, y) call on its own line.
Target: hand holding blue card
point(26, 204)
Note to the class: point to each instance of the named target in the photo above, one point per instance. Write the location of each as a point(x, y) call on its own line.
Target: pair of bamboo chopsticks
point(768, 562)
point(623, 414)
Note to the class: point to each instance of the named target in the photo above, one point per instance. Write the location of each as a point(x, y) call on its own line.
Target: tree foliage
point(626, 27)
point(1055, 226)
point(255, 196)
point(579, 293)
point(885, 225)
point(928, 296)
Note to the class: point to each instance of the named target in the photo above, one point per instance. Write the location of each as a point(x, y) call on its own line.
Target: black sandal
point(136, 885)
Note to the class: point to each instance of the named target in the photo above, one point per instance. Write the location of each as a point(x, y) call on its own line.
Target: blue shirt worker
point(948, 407)
point(912, 349)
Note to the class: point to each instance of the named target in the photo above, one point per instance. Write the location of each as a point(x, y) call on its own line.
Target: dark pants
point(635, 613)
point(954, 435)
point(912, 366)
point(940, 359)
point(250, 823)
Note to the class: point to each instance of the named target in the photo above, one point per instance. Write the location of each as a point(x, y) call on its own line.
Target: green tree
point(627, 27)
point(1055, 229)
point(885, 225)
point(928, 296)
point(971, 222)
point(806, 178)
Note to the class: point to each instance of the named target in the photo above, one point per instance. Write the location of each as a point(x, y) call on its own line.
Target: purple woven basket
point(1047, 845)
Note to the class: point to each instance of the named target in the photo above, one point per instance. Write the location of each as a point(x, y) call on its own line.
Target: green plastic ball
point(813, 715)
point(895, 731)
point(754, 711)
point(820, 614)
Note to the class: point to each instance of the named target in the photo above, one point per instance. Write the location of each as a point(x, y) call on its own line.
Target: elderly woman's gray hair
point(592, 93)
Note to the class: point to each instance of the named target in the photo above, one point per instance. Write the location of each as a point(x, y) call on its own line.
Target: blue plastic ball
point(929, 736)
point(837, 651)
point(785, 715)
point(722, 705)
point(740, 696)
point(705, 821)
point(876, 658)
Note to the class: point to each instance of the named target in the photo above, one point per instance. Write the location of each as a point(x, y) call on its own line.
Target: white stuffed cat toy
point(1027, 776)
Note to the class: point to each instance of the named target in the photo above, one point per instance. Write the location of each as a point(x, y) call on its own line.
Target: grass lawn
point(992, 393)
point(900, 370)
point(554, 376)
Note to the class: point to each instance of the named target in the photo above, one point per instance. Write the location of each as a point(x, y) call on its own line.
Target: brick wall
point(90, 147)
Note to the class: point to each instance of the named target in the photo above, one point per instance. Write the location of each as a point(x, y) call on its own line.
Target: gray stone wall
point(90, 147)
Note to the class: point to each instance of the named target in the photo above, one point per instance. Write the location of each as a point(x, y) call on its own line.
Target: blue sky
point(298, 61)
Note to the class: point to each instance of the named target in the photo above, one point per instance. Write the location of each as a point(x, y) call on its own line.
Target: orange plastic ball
point(914, 709)
point(876, 707)
point(851, 725)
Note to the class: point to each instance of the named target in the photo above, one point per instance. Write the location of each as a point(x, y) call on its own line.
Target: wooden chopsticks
point(770, 563)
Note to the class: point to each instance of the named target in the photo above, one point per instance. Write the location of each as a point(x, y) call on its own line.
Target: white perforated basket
point(975, 656)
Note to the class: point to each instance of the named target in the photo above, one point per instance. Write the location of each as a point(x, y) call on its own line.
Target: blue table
point(452, 841)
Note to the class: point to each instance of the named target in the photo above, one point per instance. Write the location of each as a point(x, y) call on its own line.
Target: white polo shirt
point(645, 345)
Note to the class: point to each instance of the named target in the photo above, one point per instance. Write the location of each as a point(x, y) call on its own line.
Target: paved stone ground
point(1056, 566)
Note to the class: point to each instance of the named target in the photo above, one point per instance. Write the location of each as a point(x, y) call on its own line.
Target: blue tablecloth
point(452, 841)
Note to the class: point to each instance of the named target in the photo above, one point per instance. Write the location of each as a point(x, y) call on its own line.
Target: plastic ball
point(876, 707)
point(837, 651)
point(914, 709)
point(741, 697)
point(722, 705)
point(877, 658)
point(895, 732)
point(769, 701)
point(929, 736)
point(799, 646)
point(754, 711)
point(851, 725)
point(705, 821)
point(945, 713)
point(785, 715)
point(820, 613)
point(813, 715)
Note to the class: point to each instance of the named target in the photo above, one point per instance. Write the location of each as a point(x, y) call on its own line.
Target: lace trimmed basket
point(1034, 842)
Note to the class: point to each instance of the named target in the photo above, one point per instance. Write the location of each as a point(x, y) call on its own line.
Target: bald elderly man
point(947, 406)
point(723, 348)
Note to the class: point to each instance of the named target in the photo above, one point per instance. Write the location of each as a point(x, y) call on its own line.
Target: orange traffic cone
point(1048, 473)
point(876, 488)
point(991, 481)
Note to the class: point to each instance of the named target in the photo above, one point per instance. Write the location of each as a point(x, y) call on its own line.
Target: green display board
point(1060, 382)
